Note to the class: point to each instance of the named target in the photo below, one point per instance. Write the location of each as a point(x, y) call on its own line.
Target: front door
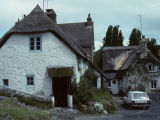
point(114, 86)
point(60, 88)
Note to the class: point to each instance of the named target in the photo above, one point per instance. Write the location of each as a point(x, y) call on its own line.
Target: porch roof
point(60, 72)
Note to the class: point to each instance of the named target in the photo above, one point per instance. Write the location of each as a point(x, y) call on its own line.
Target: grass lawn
point(17, 112)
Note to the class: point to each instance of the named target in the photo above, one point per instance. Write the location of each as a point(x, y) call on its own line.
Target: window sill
point(153, 89)
point(35, 51)
point(152, 72)
point(30, 86)
point(5, 86)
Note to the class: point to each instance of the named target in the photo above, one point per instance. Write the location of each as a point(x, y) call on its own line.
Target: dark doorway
point(60, 87)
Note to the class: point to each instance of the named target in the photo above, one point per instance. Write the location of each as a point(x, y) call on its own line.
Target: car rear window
point(139, 95)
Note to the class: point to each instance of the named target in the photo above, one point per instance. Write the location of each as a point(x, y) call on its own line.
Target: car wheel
point(147, 107)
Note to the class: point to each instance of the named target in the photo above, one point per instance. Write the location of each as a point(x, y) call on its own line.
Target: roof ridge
point(37, 9)
point(118, 47)
point(71, 23)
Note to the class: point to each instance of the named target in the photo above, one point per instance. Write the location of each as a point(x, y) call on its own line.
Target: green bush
point(4, 94)
point(90, 77)
point(103, 97)
point(81, 94)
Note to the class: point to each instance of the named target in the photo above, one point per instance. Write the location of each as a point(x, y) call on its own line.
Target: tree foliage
point(81, 92)
point(113, 37)
point(108, 39)
point(152, 45)
point(91, 77)
point(135, 37)
point(120, 36)
point(97, 58)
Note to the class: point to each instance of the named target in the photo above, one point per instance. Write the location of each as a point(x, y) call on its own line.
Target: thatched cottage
point(40, 57)
point(133, 67)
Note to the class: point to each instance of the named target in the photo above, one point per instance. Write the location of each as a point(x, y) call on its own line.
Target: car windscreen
point(140, 96)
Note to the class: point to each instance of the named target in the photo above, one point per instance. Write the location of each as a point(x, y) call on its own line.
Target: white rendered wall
point(135, 78)
point(83, 67)
point(17, 61)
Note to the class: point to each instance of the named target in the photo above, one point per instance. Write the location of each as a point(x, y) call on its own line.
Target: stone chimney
point(142, 46)
point(52, 15)
point(143, 43)
point(89, 20)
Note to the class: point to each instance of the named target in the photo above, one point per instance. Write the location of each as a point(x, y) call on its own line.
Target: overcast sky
point(103, 12)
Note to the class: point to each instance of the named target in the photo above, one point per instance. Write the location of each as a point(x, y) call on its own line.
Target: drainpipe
point(99, 82)
point(70, 101)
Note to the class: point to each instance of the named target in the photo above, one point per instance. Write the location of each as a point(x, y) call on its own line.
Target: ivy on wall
point(140, 78)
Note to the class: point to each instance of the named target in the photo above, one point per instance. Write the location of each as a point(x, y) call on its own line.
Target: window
point(109, 83)
point(151, 68)
point(35, 44)
point(139, 95)
point(30, 80)
point(114, 81)
point(153, 84)
point(5, 82)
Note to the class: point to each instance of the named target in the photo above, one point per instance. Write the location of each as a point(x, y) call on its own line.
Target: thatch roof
point(115, 58)
point(37, 22)
point(111, 75)
point(73, 35)
point(81, 31)
point(59, 72)
point(121, 58)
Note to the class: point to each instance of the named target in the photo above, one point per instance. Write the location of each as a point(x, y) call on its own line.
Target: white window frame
point(4, 84)
point(35, 43)
point(151, 68)
point(29, 85)
point(153, 84)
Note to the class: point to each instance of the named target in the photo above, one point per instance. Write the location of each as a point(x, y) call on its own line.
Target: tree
point(120, 36)
point(97, 59)
point(113, 37)
point(152, 45)
point(107, 41)
point(135, 37)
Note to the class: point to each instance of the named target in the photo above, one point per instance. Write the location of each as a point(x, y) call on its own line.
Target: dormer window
point(151, 68)
point(35, 43)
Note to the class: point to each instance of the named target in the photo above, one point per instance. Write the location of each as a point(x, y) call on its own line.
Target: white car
point(137, 99)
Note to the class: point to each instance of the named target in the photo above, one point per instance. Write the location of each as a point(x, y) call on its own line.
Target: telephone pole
point(47, 4)
point(43, 5)
point(140, 20)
